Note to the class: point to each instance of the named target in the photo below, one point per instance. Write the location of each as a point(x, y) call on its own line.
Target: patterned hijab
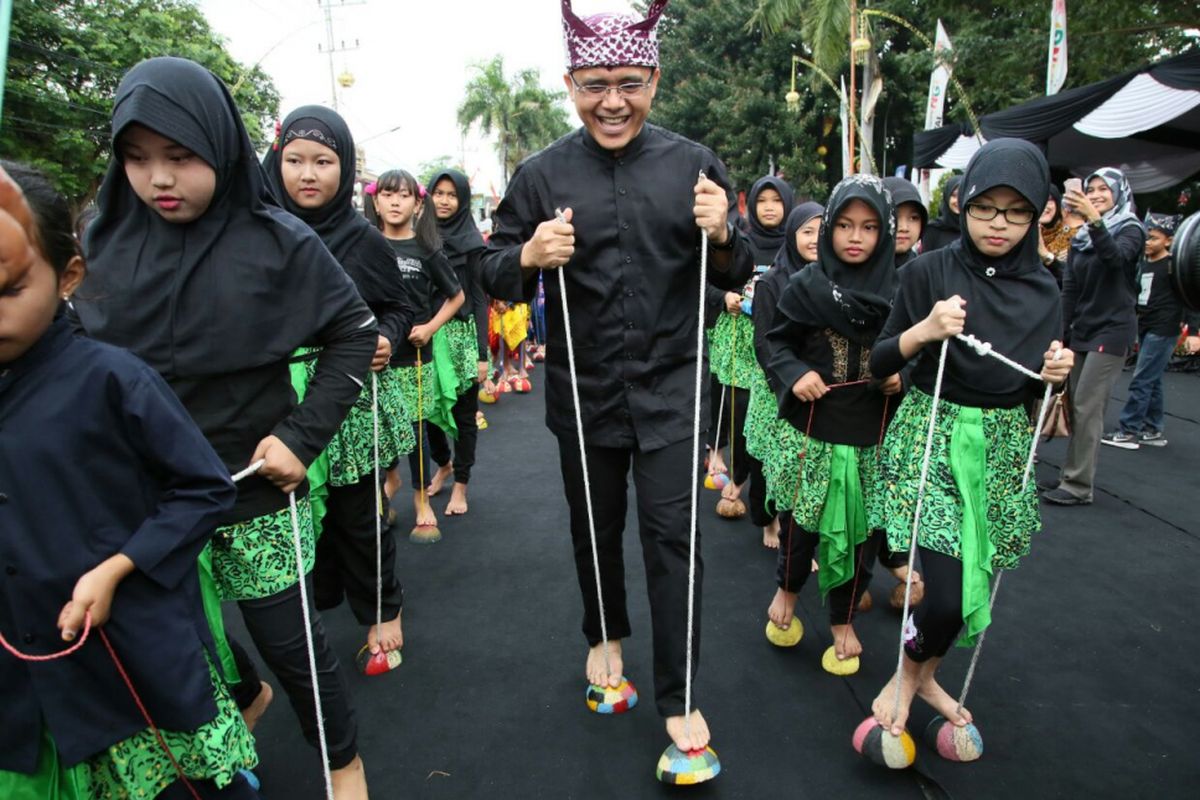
point(1121, 215)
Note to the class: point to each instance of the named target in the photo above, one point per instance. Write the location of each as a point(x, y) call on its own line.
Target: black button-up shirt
point(632, 285)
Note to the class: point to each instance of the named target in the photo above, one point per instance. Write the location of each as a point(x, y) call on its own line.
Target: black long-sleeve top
point(1099, 291)
point(632, 285)
point(371, 264)
point(766, 300)
point(98, 457)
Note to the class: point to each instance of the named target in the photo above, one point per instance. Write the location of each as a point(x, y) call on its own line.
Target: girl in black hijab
point(464, 334)
point(731, 348)
point(827, 320)
point(976, 515)
point(911, 217)
point(196, 270)
point(311, 170)
point(762, 418)
point(945, 229)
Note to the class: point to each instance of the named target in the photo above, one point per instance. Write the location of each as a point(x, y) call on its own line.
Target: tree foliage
point(427, 169)
point(724, 87)
point(66, 59)
point(524, 116)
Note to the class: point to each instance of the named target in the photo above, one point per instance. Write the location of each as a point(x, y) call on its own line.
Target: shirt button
point(10, 570)
point(628, 259)
point(629, 325)
point(630, 387)
point(629, 293)
point(624, 226)
point(621, 192)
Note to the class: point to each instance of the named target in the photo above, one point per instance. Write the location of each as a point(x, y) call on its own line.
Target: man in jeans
point(1160, 311)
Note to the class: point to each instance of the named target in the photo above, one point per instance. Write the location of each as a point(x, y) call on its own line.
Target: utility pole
point(330, 46)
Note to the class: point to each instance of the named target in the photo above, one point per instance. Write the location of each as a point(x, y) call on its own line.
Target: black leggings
point(239, 789)
point(794, 564)
point(939, 617)
point(346, 555)
point(276, 627)
point(737, 403)
point(420, 451)
point(468, 434)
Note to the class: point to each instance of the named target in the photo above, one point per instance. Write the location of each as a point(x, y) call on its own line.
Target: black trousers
point(760, 514)
point(662, 482)
point(737, 403)
point(939, 617)
point(421, 451)
point(797, 547)
point(468, 435)
point(890, 559)
point(239, 789)
point(345, 565)
point(276, 627)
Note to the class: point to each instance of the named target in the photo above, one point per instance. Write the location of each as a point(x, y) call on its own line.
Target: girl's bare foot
point(732, 491)
point(932, 693)
point(845, 642)
point(771, 535)
point(424, 511)
point(458, 500)
point(387, 637)
point(884, 706)
point(601, 674)
point(689, 737)
point(815, 566)
point(253, 713)
point(392, 484)
point(901, 573)
point(350, 782)
point(716, 462)
point(439, 478)
point(782, 608)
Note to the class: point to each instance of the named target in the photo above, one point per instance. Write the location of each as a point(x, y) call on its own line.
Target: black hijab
point(852, 299)
point(240, 287)
point(460, 237)
point(1055, 223)
point(902, 192)
point(789, 257)
point(763, 240)
point(947, 220)
point(337, 222)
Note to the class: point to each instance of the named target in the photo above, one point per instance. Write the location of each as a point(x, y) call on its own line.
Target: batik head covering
point(1121, 215)
point(1167, 223)
point(610, 39)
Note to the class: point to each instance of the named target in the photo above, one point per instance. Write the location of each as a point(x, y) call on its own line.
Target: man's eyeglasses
point(1015, 216)
point(629, 89)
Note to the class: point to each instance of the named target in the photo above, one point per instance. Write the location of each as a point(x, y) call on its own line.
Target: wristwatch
point(728, 239)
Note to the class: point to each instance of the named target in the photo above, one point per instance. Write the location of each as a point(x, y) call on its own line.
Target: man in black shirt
point(633, 210)
point(1160, 312)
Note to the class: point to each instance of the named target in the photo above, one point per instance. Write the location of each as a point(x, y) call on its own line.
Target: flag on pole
point(938, 80)
point(845, 115)
point(1056, 61)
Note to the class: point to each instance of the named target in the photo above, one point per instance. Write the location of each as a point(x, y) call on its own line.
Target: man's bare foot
point(932, 693)
point(596, 674)
point(782, 608)
point(458, 500)
point(389, 636)
point(424, 511)
point(771, 535)
point(689, 737)
point(845, 642)
point(884, 706)
point(253, 713)
point(439, 478)
point(350, 782)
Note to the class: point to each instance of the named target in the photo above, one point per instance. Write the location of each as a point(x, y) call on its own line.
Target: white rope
point(691, 603)
point(378, 509)
point(962, 698)
point(985, 349)
point(717, 430)
point(308, 634)
point(587, 484)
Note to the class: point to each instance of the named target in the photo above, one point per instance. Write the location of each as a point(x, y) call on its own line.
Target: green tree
point(428, 169)
point(724, 86)
point(66, 59)
point(524, 116)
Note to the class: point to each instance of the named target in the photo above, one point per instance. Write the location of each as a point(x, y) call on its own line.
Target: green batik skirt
point(257, 558)
point(407, 377)
point(137, 767)
point(731, 350)
point(351, 451)
point(463, 346)
point(974, 508)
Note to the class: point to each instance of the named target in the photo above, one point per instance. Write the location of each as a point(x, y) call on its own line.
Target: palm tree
point(824, 24)
point(524, 116)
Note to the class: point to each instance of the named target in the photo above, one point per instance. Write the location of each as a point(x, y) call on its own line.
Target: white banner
point(1056, 60)
point(938, 80)
point(845, 115)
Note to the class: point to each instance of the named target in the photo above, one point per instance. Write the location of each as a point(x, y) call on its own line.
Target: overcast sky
point(413, 59)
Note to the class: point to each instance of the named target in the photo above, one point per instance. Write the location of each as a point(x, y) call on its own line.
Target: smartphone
point(1073, 185)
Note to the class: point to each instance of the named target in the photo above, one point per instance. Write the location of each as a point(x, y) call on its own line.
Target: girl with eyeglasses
point(976, 516)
